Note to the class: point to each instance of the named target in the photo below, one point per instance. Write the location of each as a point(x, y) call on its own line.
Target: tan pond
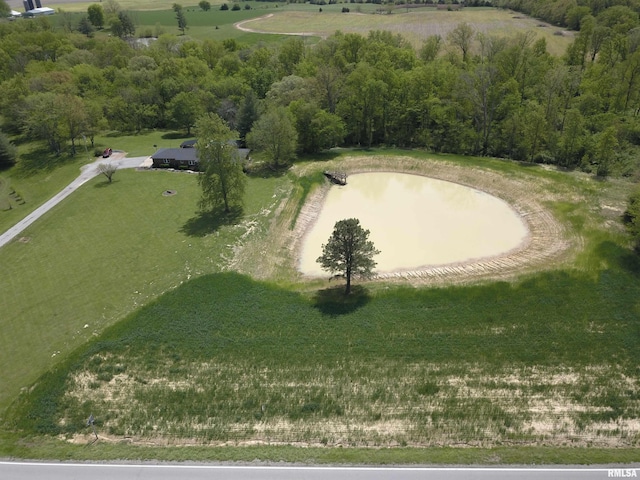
point(416, 222)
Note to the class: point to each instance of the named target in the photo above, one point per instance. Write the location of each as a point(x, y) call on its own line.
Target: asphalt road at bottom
point(83, 471)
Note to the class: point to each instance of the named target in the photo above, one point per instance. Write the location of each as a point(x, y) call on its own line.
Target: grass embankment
point(101, 254)
point(549, 361)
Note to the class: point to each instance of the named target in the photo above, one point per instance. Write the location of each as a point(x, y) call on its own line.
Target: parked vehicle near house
point(107, 153)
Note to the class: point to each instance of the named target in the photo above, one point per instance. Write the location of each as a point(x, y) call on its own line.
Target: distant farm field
point(416, 25)
point(306, 20)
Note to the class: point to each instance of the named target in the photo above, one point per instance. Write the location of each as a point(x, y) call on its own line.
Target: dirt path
point(242, 26)
point(548, 243)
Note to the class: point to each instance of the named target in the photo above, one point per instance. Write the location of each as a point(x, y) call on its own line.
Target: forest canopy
point(469, 93)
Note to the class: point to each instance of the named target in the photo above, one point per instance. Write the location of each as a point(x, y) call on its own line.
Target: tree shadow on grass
point(208, 222)
point(41, 160)
point(176, 135)
point(105, 183)
point(619, 257)
point(265, 170)
point(333, 302)
point(323, 156)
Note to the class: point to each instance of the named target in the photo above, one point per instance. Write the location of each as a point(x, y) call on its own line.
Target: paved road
point(87, 172)
point(66, 471)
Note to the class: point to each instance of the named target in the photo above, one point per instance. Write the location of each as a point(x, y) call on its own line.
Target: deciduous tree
point(222, 180)
point(122, 26)
point(274, 134)
point(204, 5)
point(96, 15)
point(184, 109)
point(349, 252)
point(108, 170)
point(180, 16)
point(461, 37)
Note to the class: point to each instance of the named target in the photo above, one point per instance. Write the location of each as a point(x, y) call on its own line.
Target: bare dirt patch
point(470, 405)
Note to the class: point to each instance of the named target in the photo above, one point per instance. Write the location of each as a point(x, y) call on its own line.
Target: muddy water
point(416, 222)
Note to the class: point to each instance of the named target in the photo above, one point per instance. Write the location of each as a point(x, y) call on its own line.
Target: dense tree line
point(567, 13)
point(468, 93)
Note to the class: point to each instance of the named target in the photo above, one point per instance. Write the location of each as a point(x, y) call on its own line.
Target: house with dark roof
point(186, 158)
point(180, 158)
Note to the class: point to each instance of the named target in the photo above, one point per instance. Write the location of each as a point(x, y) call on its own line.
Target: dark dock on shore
point(339, 178)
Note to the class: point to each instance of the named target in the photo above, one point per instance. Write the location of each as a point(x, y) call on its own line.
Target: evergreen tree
point(247, 114)
point(349, 252)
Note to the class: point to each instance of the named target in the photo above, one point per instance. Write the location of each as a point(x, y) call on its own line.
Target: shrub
point(235, 7)
point(224, 6)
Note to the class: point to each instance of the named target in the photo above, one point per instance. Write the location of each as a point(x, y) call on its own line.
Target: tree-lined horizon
point(470, 93)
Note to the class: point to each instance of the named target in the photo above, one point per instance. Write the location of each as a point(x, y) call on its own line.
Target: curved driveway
point(87, 172)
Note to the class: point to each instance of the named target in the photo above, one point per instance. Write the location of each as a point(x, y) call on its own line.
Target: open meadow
point(222, 359)
point(415, 24)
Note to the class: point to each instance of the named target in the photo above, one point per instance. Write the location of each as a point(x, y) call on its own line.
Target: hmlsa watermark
point(622, 472)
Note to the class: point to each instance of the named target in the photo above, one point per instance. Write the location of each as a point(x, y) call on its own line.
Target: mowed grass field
point(222, 359)
point(98, 256)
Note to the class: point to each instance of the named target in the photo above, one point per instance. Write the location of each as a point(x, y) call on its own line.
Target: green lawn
point(39, 174)
point(36, 178)
point(99, 255)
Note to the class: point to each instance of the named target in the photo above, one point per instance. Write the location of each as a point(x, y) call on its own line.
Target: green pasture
point(221, 356)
